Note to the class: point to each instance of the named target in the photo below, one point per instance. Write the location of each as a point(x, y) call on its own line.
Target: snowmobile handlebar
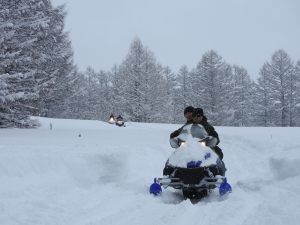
point(205, 139)
point(177, 142)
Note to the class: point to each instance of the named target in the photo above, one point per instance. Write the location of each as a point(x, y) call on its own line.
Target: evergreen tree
point(57, 65)
point(263, 97)
point(211, 88)
point(277, 90)
point(103, 105)
point(281, 68)
point(76, 103)
point(183, 93)
point(115, 93)
point(185, 86)
point(242, 96)
point(167, 104)
point(296, 103)
point(161, 96)
point(20, 29)
point(292, 95)
point(36, 60)
point(225, 96)
point(91, 91)
point(140, 84)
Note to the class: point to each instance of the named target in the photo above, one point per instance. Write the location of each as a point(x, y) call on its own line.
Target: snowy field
point(93, 173)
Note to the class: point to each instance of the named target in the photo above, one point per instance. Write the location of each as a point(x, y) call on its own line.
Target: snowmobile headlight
point(182, 143)
point(203, 143)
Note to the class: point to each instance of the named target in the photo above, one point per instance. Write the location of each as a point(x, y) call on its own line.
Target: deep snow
point(91, 172)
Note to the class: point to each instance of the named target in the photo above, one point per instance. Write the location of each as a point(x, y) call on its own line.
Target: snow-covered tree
point(36, 59)
point(116, 104)
point(19, 30)
point(91, 91)
point(103, 105)
point(242, 97)
point(5, 112)
point(277, 90)
point(263, 97)
point(182, 93)
point(226, 97)
point(293, 95)
point(141, 85)
point(211, 88)
point(281, 81)
point(167, 103)
point(296, 99)
point(56, 65)
point(183, 79)
point(76, 103)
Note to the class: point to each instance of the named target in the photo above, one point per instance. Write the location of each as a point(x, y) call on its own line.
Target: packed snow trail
point(91, 172)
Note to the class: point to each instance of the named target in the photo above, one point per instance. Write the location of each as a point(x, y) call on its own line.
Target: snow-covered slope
point(90, 172)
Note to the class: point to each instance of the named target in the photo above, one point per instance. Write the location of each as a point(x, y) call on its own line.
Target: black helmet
point(198, 112)
point(188, 109)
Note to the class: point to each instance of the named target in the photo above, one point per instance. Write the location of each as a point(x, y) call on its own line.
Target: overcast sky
point(243, 32)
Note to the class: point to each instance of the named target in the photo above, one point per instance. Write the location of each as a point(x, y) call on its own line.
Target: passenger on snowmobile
point(120, 121)
point(112, 119)
point(199, 118)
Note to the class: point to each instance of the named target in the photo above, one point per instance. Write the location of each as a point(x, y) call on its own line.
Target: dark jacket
point(119, 118)
point(177, 132)
point(210, 129)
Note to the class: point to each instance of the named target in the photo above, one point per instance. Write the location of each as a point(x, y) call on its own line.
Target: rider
point(111, 119)
point(120, 121)
point(188, 114)
point(196, 115)
point(199, 118)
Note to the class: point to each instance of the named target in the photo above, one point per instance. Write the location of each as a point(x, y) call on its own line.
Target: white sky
point(243, 32)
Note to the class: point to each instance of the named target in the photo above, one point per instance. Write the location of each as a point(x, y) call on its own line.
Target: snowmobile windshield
point(196, 130)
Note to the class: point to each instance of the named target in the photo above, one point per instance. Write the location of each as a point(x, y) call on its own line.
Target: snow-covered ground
point(93, 173)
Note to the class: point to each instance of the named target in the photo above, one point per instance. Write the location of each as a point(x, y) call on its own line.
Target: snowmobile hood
point(192, 150)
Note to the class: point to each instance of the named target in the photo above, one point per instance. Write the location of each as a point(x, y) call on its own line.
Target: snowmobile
point(111, 120)
point(193, 167)
point(120, 123)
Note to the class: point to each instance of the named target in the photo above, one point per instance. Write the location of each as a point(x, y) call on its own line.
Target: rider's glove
point(179, 141)
point(211, 142)
point(174, 143)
